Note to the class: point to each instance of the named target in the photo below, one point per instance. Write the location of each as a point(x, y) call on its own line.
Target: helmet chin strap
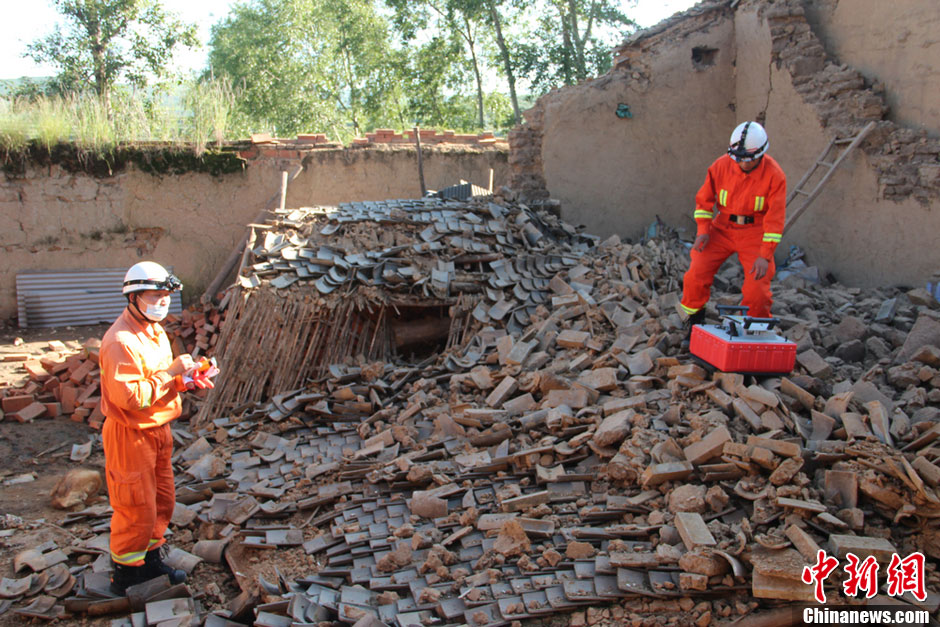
point(133, 302)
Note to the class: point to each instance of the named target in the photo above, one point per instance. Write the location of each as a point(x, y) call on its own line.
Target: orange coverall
point(759, 194)
point(138, 398)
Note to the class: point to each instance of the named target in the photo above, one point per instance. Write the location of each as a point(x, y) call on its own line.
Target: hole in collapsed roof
point(419, 331)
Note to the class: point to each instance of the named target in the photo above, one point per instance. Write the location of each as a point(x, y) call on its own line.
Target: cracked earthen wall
point(51, 219)
point(874, 223)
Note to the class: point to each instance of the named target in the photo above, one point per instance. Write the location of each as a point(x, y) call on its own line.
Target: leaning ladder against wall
point(828, 167)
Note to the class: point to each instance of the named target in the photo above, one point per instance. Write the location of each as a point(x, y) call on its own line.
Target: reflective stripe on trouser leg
point(131, 456)
point(697, 282)
point(755, 293)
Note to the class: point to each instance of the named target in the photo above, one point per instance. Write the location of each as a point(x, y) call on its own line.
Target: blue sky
point(26, 21)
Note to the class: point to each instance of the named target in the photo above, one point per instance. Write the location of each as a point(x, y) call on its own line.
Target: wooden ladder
point(821, 164)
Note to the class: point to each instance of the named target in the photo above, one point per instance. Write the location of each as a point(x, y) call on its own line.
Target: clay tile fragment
point(512, 539)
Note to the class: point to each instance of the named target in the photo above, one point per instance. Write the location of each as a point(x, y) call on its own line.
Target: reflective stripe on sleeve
point(706, 215)
point(773, 237)
point(146, 396)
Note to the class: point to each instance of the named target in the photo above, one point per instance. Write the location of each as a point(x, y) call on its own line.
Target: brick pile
point(61, 382)
point(266, 145)
point(198, 328)
point(582, 464)
point(64, 381)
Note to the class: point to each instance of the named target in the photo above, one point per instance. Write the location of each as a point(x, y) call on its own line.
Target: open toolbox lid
point(740, 327)
point(743, 344)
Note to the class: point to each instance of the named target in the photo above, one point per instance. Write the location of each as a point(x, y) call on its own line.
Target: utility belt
point(736, 219)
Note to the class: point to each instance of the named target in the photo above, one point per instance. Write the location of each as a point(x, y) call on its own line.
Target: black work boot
point(124, 576)
point(155, 567)
point(697, 318)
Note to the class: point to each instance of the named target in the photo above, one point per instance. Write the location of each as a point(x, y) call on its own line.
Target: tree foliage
point(343, 67)
point(106, 41)
point(307, 65)
point(570, 41)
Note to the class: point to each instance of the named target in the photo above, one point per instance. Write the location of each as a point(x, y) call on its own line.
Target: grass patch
point(159, 132)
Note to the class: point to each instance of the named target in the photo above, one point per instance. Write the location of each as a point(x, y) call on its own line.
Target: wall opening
point(419, 331)
point(703, 57)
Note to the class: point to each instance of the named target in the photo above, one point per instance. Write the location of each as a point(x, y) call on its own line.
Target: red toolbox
point(743, 344)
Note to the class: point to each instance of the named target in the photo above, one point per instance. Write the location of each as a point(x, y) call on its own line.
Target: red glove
point(202, 381)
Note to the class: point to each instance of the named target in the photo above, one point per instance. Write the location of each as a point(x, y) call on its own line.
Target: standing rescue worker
point(140, 386)
point(741, 208)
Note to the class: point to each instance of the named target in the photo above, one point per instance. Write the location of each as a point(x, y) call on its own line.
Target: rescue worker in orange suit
point(140, 395)
point(741, 208)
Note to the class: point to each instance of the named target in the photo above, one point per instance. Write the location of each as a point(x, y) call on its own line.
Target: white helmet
point(148, 275)
point(748, 142)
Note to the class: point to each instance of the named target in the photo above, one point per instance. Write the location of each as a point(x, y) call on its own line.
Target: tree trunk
point(507, 62)
point(567, 48)
point(476, 71)
point(579, 62)
point(98, 50)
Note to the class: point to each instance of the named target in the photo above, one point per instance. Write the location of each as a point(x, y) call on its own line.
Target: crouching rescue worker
point(140, 395)
point(741, 208)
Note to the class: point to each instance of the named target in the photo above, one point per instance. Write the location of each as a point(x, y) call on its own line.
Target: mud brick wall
point(689, 80)
point(54, 219)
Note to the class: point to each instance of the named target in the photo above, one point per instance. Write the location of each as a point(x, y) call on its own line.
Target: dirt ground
point(41, 449)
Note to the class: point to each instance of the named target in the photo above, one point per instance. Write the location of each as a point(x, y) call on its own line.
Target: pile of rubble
point(198, 328)
point(558, 455)
point(64, 380)
point(380, 279)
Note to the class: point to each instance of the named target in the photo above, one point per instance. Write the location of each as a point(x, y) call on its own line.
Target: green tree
point(462, 19)
point(432, 78)
point(308, 65)
point(571, 41)
point(105, 41)
point(496, 22)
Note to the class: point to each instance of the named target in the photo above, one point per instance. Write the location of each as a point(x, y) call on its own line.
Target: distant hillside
point(15, 85)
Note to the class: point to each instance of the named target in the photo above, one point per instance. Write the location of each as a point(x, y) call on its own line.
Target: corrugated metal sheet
point(56, 298)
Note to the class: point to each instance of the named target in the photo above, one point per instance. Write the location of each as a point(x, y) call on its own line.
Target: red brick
point(96, 419)
point(15, 403)
point(16, 357)
point(53, 409)
point(50, 360)
point(29, 413)
point(67, 396)
point(36, 370)
point(86, 393)
point(78, 375)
